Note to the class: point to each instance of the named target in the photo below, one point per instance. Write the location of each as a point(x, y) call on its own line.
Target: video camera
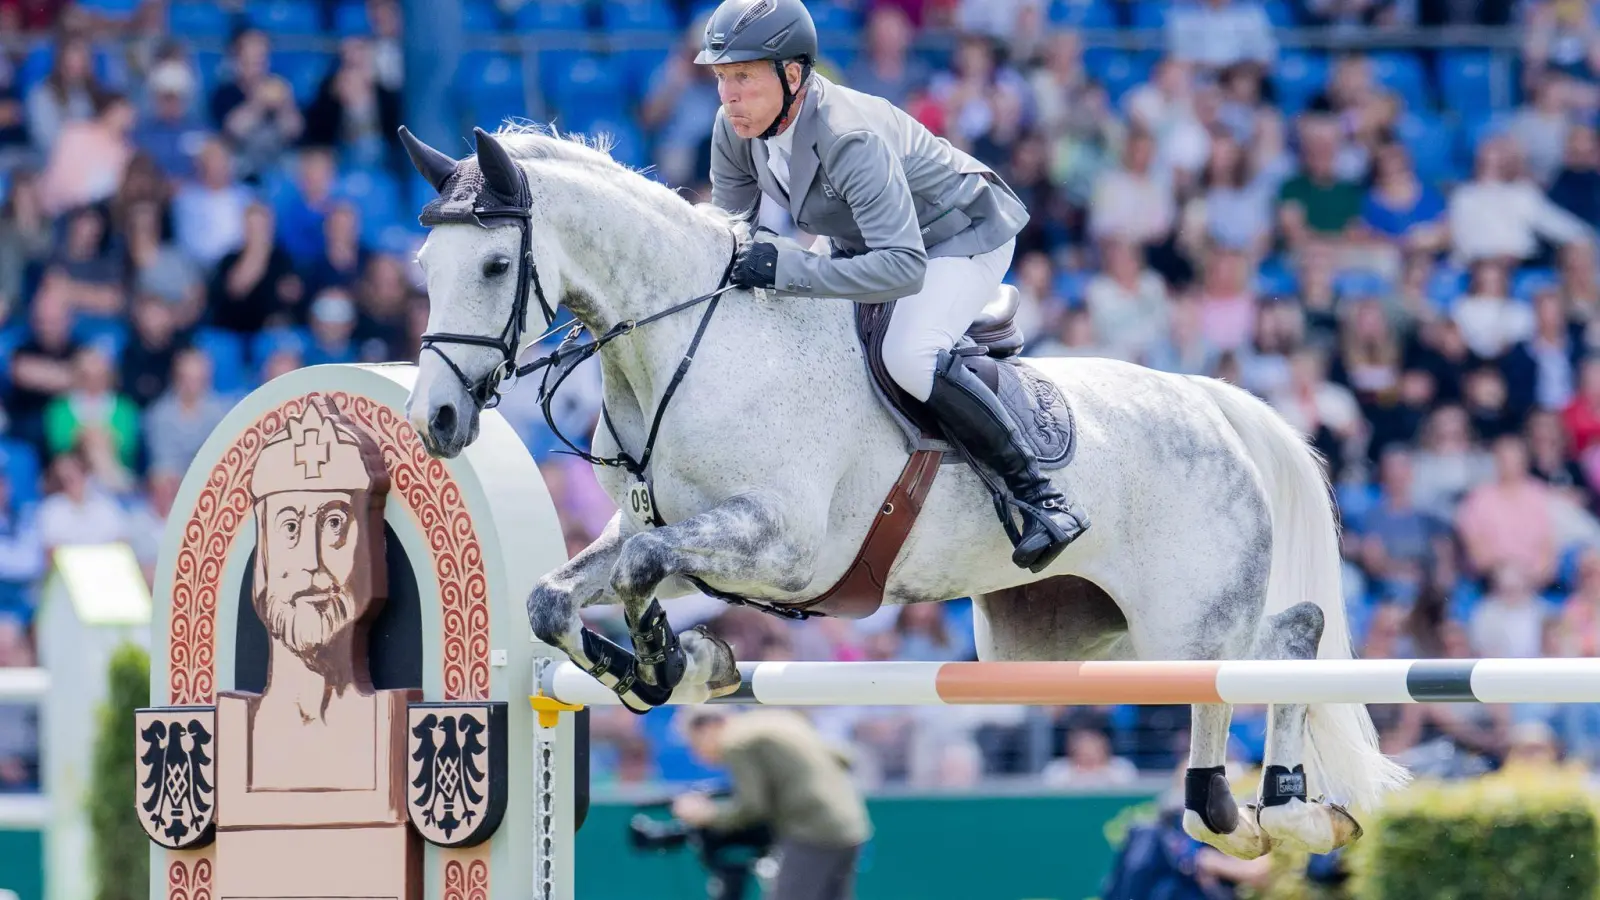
point(730, 856)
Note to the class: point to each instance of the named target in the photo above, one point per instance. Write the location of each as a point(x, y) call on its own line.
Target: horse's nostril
point(444, 423)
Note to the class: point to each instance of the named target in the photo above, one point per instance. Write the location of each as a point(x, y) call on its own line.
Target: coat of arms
point(457, 771)
point(177, 775)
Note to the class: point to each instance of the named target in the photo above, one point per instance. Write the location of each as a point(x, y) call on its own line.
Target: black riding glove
point(756, 266)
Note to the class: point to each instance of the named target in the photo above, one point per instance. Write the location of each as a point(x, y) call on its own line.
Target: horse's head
point(484, 287)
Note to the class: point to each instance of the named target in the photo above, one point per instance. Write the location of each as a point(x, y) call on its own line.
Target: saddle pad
point(1034, 402)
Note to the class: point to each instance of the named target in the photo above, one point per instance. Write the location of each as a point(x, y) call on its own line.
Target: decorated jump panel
point(342, 654)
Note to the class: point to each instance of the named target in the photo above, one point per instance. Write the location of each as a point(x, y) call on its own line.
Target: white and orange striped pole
point(1136, 683)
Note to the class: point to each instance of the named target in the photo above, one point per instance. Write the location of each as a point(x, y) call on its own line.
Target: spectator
point(1089, 763)
point(1317, 205)
point(93, 404)
point(209, 213)
point(1540, 130)
point(886, 67)
point(1220, 33)
point(1185, 348)
point(332, 326)
point(153, 345)
point(680, 109)
point(160, 270)
point(343, 257)
point(1059, 85)
point(1550, 460)
point(1541, 371)
point(1168, 108)
point(1510, 622)
point(1227, 302)
point(185, 415)
point(1500, 214)
point(255, 109)
point(1234, 207)
point(85, 267)
point(1490, 323)
point(301, 212)
point(353, 112)
point(983, 100)
point(68, 94)
point(79, 508)
point(1401, 209)
point(257, 285)
point(41, 367)
point(1133, 203)
point(1582, 413)
point(383, 299)
point(1396, 534)
point(25, 241)
point(1576, 188)
point(1325, 411)
point(172, 132)
point(1127, 303)
point(88, 157)
point(1509, 523)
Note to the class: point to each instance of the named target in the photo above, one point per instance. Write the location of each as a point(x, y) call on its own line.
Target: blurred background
point(1379, 215)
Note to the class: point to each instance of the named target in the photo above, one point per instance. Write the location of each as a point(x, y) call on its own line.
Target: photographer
point(784, 776)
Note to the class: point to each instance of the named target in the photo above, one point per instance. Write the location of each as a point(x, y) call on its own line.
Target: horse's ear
point(431, 164)
point(499, 172)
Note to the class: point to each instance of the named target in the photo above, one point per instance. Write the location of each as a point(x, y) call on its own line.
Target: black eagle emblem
point(177, 802)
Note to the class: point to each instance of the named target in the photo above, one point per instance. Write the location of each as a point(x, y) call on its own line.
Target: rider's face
point(752, 94)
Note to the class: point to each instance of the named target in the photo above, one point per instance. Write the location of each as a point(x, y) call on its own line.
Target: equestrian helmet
point(746, 30)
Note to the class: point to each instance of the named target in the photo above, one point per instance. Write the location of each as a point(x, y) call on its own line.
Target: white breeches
point(955, 290)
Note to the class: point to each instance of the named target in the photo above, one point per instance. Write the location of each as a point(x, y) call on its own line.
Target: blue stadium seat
point(11, 337)
point(376, 197)
point(285, 16)
point(638, 67)
point(551, 15)
point(1466, 81)
point(350, 18)
point(834, 17)
point(637, 15)
point(1082, 14)
point(1280, 14)
point(20, 462)
point(479, 17)
point(110, 8)
point(108, 334)
point(491, 87)
point(304, 70)
point(1431, 142)
point(1527, 282)
point(1119, 70)
point(198, 20)
point(628, 144)
point(1298, 78)
point(1150, 14)
point(230, 371)
point(1445, 285)
point(589, 87)
point(1403, 74)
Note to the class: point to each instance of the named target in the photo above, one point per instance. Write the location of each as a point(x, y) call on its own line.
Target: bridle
point(485, 392)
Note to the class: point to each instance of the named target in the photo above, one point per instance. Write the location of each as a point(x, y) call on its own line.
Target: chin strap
point(789, 96)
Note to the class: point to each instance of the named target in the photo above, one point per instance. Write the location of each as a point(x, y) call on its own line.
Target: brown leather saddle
point(990, 348)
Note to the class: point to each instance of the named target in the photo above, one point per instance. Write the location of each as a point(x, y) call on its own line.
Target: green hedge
point(121, 849)
point(1508, 836)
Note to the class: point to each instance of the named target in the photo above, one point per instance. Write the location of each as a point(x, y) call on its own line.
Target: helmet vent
point(753, 13)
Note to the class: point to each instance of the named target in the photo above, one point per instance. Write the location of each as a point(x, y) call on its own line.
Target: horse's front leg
point(746, 543)
point(553, 614)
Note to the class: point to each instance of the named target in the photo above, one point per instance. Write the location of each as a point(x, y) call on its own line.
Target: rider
point(909, 217)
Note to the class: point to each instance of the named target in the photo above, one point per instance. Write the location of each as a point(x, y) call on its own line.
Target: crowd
point(1423, 308)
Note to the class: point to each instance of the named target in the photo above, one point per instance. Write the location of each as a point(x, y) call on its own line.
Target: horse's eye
point(496, 267)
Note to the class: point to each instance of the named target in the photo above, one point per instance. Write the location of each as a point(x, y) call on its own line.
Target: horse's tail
point(1342, 754)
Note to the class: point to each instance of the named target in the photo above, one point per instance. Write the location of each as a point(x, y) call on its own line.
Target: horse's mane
point(535, 141)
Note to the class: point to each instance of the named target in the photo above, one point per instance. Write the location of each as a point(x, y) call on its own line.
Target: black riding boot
point(974, 418)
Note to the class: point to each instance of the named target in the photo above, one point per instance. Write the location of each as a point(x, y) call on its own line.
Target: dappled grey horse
point(1214, 534)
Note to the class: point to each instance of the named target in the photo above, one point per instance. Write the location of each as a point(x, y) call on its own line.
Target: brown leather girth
point(859, 593)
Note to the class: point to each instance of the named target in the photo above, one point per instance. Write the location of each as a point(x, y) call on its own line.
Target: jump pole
point(1136, 683)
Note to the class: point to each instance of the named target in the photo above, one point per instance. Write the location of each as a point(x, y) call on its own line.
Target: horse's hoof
point(1314, 826)
point(1247, 841)
point(725, 678)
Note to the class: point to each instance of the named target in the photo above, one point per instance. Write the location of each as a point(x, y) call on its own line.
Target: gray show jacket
point(888, 193)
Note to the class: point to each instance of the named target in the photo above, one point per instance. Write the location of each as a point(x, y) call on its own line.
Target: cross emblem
point(312, 452)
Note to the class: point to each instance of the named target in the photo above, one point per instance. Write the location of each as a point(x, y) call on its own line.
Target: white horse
point(1214, 535)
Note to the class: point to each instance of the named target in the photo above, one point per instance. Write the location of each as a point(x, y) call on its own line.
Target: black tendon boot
point(974, 418)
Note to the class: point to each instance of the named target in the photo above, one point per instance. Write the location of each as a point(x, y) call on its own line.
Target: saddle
point(990, 348)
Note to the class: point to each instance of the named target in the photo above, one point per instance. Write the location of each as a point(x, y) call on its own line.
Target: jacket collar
point(803, 160)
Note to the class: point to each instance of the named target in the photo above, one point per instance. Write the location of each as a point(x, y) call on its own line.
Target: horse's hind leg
point(1285, 813)
point(745, 540)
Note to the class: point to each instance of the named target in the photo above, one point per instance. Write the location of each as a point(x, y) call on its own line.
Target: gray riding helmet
point(749, 30)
